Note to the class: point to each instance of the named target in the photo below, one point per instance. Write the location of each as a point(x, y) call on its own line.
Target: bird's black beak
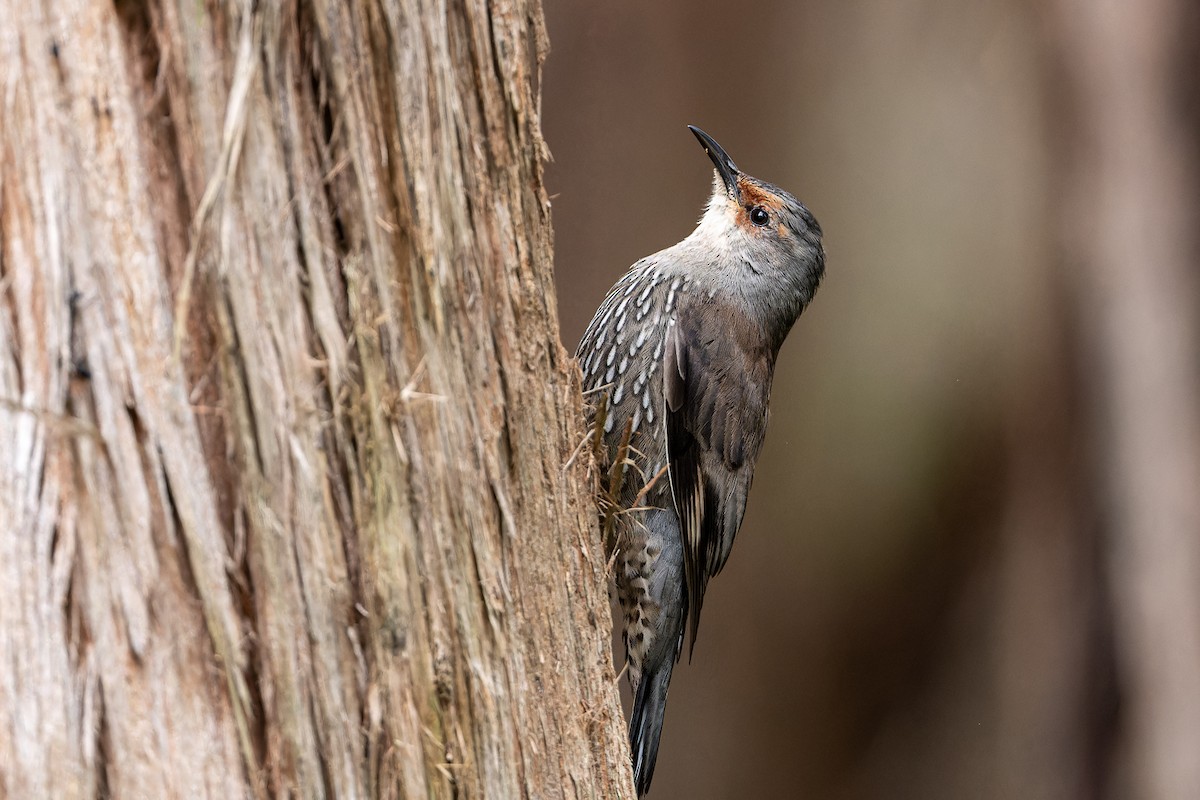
point(724, 164)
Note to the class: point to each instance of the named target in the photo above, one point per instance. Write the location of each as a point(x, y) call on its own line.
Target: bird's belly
point(649, 579)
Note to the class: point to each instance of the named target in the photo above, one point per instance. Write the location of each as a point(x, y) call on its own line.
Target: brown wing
point(716, 382)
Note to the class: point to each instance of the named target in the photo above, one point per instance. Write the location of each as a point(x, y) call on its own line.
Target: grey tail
point(645, 727)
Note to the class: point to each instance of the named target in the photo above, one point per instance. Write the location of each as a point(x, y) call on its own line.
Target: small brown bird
point(683, 350)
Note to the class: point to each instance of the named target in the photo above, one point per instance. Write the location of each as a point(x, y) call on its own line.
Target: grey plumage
point(684, 348)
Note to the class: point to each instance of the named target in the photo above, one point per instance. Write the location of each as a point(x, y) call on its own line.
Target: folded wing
point(716, 384)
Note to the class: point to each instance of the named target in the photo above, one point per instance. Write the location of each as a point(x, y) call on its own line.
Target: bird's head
point(768, 240)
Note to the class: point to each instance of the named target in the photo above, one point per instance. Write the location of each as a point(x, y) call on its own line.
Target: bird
point(678, 362)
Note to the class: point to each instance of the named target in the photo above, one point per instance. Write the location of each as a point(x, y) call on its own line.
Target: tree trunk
point(284, 415)
point(1129, 210)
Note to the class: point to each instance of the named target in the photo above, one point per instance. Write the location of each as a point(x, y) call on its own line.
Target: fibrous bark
point(284, 415)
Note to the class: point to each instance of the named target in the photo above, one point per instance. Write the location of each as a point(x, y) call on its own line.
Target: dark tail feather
point(645, 727)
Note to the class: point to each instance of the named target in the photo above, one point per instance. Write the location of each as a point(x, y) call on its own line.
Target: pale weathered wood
point(284, 415)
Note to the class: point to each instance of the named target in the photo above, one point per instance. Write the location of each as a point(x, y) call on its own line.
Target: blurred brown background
point(969, 566)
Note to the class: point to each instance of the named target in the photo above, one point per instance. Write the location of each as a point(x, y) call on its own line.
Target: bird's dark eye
point(759, 216)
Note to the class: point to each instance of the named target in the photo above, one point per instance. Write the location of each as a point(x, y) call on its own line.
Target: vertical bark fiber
point(283, 411)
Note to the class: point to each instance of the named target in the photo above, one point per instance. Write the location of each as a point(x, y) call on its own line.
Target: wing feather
point(715, 389)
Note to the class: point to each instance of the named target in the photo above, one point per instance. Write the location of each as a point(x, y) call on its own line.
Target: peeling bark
point(284, 411)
